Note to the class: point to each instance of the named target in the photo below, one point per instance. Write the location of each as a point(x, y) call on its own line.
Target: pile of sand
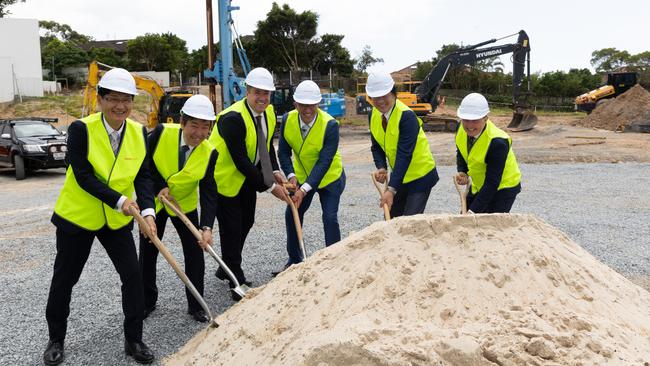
point(614, 114)
point(437, 290)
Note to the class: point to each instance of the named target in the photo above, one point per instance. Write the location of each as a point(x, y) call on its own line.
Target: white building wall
point(6, 81)
point(161, 77)
point(19, 42)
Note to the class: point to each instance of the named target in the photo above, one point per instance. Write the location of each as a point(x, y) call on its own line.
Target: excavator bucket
point(522, 120)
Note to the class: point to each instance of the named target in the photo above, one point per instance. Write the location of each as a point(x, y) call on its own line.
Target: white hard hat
point(118, 80)
point(260, 78)
point(379, 84)
point(307, 92)
point(199, 106)
point(473, 106)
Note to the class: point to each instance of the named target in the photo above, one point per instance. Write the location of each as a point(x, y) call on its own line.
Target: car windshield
point(35, 129)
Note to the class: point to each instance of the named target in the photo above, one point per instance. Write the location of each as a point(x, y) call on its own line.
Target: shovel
point(463, 193)
point(239, 289)
point(381, 191)
point(170, 259)
point(296, 221)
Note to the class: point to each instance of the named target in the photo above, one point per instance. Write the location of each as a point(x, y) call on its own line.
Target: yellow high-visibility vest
point(476, 158)
point(184, 184)
point(307, 151)
point(422, 161)
point(118, 172)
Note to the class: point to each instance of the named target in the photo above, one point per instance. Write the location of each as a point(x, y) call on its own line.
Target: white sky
point(562, 33)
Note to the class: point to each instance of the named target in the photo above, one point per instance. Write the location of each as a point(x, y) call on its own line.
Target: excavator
point(523, 118)
point(165, 106)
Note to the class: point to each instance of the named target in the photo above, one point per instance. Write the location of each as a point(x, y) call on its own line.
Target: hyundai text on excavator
point(165, 106)
point(523, 117)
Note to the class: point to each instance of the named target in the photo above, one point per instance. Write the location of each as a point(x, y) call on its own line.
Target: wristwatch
point(204, 228)
point(391, 189)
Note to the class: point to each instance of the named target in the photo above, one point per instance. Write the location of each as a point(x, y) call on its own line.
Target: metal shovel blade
point(522, 121)
point(239, 289)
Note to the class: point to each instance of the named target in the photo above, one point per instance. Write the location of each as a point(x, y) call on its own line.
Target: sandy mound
point(437, 290)
point(631, 107)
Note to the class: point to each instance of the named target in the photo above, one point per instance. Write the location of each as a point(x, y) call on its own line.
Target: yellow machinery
point(617, 84)
point(165, 106)
point(405, 93)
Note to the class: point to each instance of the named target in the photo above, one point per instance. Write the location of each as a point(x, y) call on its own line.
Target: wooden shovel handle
point(296, 222)
point(463, 193)
point(172, 262)
point(381, 191)
point(174, 206)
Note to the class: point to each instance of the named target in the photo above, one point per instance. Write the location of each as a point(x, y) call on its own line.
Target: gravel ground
point(603, 207)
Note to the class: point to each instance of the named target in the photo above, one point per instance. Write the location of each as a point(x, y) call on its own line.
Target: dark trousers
point(192, 252)
point(236, 216)
point(502, 201)
point(72, 252)
point(407, 202)
point(329, 196)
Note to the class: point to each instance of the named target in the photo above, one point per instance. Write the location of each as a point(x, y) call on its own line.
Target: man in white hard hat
point(397, 136)
point(183, 169)
point(312, 136)
point(484, 153)
point(246, 164)
point(107, 153)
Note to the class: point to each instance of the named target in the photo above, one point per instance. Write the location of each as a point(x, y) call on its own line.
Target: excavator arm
point(145, 84)
point(523, 118)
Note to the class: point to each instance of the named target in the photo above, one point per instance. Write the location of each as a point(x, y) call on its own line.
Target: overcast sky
point(562, 33)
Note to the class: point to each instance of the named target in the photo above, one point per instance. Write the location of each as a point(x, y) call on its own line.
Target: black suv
point(31, 143)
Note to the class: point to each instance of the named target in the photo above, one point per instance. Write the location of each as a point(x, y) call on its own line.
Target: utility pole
point(212, 89)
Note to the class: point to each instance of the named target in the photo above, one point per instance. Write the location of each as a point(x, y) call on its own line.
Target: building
point(21, 73)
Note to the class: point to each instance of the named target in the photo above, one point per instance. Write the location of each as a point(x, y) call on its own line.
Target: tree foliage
point(283, 40)
point(62, 54)
point(366, 59)
point(4, 4)
point(157, 52)
point(331, 55)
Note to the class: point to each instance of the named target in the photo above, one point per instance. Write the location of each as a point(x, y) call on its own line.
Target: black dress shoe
point(148, 310)
point(53, 354)
point(139, 351)
point(199, 315)
point(221, 274)
point(275, 273)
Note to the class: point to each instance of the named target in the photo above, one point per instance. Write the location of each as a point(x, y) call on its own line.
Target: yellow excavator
point(165, 106)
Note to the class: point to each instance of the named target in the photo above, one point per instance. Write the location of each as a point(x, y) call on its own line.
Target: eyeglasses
point(123, 101)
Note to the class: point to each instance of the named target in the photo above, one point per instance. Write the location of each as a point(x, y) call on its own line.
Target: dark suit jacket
point(77, 156)
point(233, 130)
point(207, 186)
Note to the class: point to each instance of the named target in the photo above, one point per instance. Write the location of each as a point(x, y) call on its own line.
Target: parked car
point(31, 143)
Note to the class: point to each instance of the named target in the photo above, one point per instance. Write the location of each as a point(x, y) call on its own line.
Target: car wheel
point(20, 167)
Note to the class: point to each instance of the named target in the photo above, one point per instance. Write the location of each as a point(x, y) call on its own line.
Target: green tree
point(157, 52)
point(4, 4)
point(284, 38)
point(609, 59)
point(62, 54)
point(62, 32)
point(107, 56)
point(331, 55)
point(366, 59)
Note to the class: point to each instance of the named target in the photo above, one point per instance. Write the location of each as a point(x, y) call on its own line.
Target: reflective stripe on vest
point(228, 178)
point(422, 161)
point(85, 210)
point(307, 151)
point(183, 185)
point(476, 160)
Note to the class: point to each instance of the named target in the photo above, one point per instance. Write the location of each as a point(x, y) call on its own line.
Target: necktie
point(115, 141)
point(470, 143)
point(182, 156)
point(384, 122)
point(263, 153)
point(304, 130)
